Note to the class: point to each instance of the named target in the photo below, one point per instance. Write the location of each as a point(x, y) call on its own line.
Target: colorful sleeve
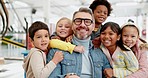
point(143, 67)
point(129, 64)
point(38, 68)
point(66, 46)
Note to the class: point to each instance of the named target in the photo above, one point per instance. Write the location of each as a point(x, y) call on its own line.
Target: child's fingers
point(82, 49)
point(60, 53)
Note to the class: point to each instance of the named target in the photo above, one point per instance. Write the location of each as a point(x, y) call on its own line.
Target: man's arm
point(107, 69)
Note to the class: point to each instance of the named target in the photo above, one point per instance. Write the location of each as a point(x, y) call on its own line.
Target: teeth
point(44, 44)
point(106, 41)
point(127, 43)
point(83, 30)
point(63, 32)
point(101, 18)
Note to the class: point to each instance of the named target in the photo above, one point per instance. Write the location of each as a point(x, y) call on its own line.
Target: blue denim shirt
point(72, 63)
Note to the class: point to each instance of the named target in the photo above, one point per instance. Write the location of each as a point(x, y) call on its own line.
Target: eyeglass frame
point(84, 21)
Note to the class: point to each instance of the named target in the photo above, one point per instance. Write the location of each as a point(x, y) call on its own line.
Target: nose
point(129, 38)
point(83, 23)
point(102, 13)
point(44, 39)
point(106, 36)
point(62, 27)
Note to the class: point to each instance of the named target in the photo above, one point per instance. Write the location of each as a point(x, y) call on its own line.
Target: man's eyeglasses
point(87, 22)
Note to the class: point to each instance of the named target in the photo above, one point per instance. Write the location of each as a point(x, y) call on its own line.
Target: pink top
point(143, 63)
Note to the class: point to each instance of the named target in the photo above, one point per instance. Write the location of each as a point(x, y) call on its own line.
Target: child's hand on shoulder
point(58, 57)
point(69, 38)
point(79, 49)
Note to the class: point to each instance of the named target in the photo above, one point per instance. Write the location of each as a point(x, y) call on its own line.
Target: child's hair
point(116, 29)
point(38, 25)
point(142, 40)
point(64, 18)
point(96, 3)
point(130, 25)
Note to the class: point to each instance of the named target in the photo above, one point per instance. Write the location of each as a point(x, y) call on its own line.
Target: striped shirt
point(123, 62)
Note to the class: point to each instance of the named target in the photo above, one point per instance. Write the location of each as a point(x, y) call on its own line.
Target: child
point(130, 37)
point(121, 58)
point(64, 33)
point(63, 29)
point(35, 62)
point(101, 10)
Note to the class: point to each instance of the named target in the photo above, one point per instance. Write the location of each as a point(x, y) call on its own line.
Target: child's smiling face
point(109, 37)
point(63, 28)
point(41, 39)
point(129, 36)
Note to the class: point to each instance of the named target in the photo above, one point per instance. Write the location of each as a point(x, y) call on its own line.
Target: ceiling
point(67, 7)
point(60, 8)
point(55, 9)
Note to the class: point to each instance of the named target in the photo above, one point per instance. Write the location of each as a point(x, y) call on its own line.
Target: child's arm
point(66, 46)
point(143, 67)
point(58, 57)
point(127, 62)
point(79, 49)
point(38, 64)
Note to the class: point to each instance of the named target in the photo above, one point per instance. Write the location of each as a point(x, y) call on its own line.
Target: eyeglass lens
point(87, 22)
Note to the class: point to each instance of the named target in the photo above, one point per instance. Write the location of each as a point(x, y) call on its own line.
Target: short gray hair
point(86, 10)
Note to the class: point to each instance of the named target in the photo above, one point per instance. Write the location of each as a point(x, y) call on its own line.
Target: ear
point(119, 36)
point(30, 39)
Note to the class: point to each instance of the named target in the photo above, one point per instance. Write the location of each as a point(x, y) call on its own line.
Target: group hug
point(86, 47)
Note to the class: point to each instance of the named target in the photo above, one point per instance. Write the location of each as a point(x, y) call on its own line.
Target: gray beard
point(81, 38)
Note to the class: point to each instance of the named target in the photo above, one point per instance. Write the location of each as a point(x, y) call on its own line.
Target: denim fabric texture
point(72, 63)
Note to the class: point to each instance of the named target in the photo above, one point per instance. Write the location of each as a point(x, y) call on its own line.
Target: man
point(91, 63)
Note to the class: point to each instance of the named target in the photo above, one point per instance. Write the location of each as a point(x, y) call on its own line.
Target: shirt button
point(67, 63)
